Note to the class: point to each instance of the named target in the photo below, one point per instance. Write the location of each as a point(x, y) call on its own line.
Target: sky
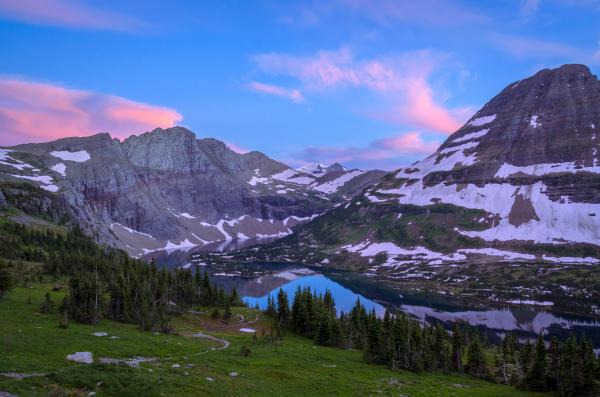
point(369, 84)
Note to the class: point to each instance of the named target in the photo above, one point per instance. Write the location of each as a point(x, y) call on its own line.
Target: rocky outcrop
point(166, 189)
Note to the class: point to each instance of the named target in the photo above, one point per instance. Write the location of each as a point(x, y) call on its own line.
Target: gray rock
point(81, 357)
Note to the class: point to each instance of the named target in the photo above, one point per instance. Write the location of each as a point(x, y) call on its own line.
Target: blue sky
point(367, 83)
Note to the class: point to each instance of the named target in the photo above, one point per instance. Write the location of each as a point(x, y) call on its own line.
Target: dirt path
point(223, 342)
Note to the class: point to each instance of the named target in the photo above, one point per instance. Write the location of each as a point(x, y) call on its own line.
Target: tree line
point(402, 342)
point(106, 282)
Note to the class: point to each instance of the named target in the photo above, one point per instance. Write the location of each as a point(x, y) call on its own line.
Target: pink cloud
point(402, 81)
point(408, 143)
point(34, 112)
point(236, 148)
point(389, 153)
point(291, 94)
point(68, 13)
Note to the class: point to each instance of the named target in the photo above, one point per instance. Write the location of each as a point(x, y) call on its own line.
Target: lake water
point(255, 282)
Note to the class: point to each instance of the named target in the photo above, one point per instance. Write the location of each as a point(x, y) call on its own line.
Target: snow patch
point(78, 157)
point(293, 176)
point(543, 169)
point(482, 120)
point(507, 255)
point(570, 260)
point(472, 135)
point(334, 185)
point(60, 168)
point(18, 164)
point(533, 121)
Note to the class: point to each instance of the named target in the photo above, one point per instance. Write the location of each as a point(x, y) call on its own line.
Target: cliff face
point(523, 174)
point(166, 189)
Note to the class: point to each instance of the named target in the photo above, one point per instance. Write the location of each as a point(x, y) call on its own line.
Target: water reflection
point(255, 282)
point(344, 298)
point(178, 257)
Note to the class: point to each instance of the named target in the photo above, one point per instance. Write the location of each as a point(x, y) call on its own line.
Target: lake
point(255, 282)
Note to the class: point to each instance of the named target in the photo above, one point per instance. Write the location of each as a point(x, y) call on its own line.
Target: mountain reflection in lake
point(177, 257)
point(255, 282)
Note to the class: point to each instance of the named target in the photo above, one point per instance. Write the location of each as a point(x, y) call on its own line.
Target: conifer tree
point(570, 368)
point(47, 304)
point(6, 279)
point(227, 314)
point(535, 379)
point(475, 364)
point(554, 364)
point(283, 309)
point(457, 348)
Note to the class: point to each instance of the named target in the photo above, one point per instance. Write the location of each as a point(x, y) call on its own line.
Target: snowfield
point(78, 157)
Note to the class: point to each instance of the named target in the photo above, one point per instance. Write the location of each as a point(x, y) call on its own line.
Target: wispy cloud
point(270, 89)
point(431, 12)
point(533, 48)
point(68, 13)
point(388, 153)
point(529, 7)
point(401, 80)
point(386, 13)
point(32, 111)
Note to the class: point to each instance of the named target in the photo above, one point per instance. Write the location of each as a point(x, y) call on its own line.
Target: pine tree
point(476, 365)
point(535, 379)
point(227, 314)
point(457, 348)
point(589, 385)
point(554, 366)
point(525, 358)
point(570, 368)
point(6, 280)
point(283, 309)
point(47, 304)
point(372, 352)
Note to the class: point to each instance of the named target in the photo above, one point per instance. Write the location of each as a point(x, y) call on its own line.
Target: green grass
point(31, 342)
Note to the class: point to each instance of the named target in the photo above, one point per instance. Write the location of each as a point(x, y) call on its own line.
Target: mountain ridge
point(167, 189)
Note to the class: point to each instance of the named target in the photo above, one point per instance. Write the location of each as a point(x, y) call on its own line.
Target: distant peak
point(172, 130)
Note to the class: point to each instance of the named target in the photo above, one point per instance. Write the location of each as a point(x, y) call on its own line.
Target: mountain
point(520, 181)
point(166, 189)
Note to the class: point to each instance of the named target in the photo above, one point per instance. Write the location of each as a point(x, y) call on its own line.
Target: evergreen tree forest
point(401, 342)
point(104, 282)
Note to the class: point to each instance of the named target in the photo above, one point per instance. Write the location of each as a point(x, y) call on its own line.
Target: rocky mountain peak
point(336, 167)
point(552, 117)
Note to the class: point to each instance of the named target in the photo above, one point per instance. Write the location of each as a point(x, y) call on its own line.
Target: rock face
point(166, 189)
point(522, 174)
